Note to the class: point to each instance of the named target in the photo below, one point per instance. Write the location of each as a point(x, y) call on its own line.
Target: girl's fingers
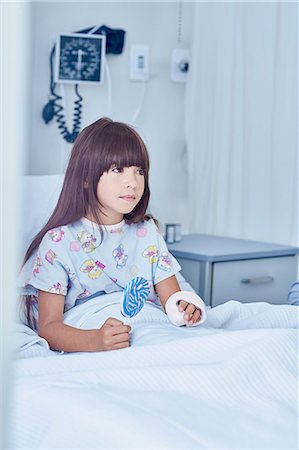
point(120, 345)
point(112, 321)
point(182, 305)
point(124, 337)
point(120, 329)
point(118, 341)
point(195, 317)
point(190, 309)
point(191, 313)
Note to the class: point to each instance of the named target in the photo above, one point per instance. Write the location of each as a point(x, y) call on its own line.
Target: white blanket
point(228, 384)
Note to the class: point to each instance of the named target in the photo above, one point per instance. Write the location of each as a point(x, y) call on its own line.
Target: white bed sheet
point(228, 384)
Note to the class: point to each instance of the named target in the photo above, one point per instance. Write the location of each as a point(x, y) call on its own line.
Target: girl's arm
point(111, 336)
point(166, 288)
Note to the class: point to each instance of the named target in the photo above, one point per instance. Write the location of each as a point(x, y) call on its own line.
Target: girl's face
point(118, 191)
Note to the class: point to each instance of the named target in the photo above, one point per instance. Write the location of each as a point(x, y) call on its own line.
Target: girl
point(98, 238)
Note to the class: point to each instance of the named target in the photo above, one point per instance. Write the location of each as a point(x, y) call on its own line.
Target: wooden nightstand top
point(204, 247)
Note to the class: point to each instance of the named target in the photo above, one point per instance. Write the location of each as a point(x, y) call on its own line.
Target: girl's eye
point(117, 169)
point(140, 171)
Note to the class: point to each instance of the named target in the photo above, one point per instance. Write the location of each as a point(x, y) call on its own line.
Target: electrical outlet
point(180, 60)
point(139, 63)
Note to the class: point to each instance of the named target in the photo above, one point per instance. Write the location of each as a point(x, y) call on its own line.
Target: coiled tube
point(66, 134)
point(54, 109)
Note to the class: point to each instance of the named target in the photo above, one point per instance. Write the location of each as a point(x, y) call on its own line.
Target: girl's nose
point(130, 180)
point(131, 183)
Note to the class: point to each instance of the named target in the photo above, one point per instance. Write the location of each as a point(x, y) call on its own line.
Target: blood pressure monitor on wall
point(79, 58)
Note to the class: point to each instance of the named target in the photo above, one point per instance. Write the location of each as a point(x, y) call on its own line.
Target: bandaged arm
point(177, 317)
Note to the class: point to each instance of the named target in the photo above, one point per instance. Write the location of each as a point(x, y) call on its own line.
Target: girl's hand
point(112, 335)
point(191, 313)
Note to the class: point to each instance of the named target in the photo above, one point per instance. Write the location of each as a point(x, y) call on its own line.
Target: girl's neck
point(105, 221)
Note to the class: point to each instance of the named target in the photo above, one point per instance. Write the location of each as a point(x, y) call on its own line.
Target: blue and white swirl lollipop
point(134, 297)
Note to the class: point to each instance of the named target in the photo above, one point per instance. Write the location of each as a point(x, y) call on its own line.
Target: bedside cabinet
point(221, 269)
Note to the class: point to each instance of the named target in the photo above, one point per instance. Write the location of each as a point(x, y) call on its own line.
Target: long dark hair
point(98, 147)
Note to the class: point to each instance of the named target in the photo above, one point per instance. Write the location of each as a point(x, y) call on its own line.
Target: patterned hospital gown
point(71, 260)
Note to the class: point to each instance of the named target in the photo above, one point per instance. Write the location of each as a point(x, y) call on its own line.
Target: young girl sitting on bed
point(98, 238)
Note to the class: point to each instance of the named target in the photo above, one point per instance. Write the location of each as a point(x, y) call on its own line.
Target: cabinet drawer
point(265, 279)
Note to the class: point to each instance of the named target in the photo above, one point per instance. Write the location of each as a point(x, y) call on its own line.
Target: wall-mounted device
point(180, 60)
point(180, 57)
point(80, 58)
point(139, 63)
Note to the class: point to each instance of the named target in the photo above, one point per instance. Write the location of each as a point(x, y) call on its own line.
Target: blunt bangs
point(122, 146)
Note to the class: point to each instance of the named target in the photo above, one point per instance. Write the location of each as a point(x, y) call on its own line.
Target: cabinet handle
point(257, 280)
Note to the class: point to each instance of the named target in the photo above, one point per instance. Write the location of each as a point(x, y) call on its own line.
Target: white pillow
point(39, 195)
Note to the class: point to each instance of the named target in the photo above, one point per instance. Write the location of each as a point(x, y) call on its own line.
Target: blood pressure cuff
point(114, 38)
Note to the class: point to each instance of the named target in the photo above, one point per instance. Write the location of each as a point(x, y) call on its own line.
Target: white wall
point(161, 121)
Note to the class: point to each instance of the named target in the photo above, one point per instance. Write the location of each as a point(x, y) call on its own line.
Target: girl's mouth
point(128, 198)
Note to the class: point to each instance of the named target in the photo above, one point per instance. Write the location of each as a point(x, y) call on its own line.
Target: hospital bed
point(230, 383)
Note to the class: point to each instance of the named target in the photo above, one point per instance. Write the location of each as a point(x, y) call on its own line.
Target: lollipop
point(134, 297)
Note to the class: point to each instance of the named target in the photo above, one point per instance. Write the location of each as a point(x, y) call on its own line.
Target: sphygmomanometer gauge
point(80, 58)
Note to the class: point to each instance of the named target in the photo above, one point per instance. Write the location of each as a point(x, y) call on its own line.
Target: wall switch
point(180, 60)
point(139, 63)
